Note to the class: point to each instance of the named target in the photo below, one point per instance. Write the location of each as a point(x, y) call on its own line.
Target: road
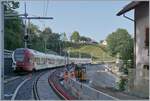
point(99, 77)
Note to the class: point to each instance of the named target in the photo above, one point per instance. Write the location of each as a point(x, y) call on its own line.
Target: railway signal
point(26, 38)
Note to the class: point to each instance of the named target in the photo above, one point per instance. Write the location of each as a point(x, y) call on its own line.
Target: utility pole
point(25, 17)
point(1, 50)
point(25, 28)
point(59, 48)
point(26, 35)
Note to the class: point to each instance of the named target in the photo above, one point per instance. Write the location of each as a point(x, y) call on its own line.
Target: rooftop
point(129, 7)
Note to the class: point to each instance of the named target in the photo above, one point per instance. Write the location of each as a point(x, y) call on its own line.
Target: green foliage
point(75, 36)
point(10, 5)
point(77, 55)
point(86, 39)
point(45, 41)
point(63, 37)
point(121, 42)
point(97, 53)
point(13, 29)
point(122, 84)
point(13, 34)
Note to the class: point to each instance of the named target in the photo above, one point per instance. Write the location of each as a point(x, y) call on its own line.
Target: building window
point(147, 37)
point(146, 67)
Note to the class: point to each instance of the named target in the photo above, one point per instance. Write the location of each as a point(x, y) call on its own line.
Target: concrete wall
point(141, 89)
point(84, 92)
point(142, 58)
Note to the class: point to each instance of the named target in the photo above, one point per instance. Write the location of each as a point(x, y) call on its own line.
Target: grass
point(98, 54)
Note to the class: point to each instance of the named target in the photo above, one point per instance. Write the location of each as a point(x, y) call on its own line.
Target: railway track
point(15, 87)
point(35, 91)
point(12, 87)
point(30, 87)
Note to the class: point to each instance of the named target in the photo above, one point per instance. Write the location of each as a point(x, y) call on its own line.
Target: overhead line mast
point(25, 17)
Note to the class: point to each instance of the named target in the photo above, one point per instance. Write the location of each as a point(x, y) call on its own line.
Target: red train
point(25, 59)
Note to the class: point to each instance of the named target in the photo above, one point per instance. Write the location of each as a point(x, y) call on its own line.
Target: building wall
point(142, 22)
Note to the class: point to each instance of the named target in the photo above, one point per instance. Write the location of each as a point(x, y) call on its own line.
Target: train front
point(22, 60)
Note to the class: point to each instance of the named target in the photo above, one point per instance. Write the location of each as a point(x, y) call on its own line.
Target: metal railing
point(7, 53)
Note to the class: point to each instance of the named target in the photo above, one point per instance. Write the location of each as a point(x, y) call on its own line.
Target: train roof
point(37, 53)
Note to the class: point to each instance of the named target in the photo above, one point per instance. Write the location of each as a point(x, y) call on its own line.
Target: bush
point(122, 84)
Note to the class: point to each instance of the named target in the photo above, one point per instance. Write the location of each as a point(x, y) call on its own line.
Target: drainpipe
point(128, 18)
point(134, 59)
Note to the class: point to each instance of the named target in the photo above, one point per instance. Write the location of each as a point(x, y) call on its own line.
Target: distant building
point(103, 42)
point(90, 41)
point(141, 46)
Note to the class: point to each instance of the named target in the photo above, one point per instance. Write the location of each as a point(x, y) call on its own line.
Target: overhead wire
point(46, 8)
point(43, 7)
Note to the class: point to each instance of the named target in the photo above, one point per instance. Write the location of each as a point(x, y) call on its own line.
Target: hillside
point(98, 54)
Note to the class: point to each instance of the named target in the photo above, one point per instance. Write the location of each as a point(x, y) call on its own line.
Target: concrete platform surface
point(44, 90)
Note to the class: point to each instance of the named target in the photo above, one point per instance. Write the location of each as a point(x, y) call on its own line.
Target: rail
point(35, 91)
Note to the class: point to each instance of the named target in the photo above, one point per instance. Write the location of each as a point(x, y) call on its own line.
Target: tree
point(51, 40)
point(75, 36)
point(63, 37)
point(121, 42)
point(86, 39)
point(10, 5)
point(13, 27)
point(35, 39)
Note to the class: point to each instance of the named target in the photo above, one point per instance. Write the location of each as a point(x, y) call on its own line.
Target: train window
point(19, 55)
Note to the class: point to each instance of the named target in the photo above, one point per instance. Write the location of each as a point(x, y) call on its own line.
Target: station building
point(139, 77)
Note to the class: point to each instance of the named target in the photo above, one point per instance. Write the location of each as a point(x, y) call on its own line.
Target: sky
point(94, 19)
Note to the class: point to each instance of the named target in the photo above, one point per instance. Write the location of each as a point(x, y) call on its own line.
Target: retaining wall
point(84, 92)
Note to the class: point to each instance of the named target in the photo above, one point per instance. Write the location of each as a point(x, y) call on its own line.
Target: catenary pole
point(1, 49)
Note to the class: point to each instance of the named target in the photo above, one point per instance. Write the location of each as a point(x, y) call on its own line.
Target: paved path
point(98, 76)
point(105, 81)
point(44, 90)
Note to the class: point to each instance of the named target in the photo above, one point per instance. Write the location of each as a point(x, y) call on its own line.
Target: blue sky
point(95, 19)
